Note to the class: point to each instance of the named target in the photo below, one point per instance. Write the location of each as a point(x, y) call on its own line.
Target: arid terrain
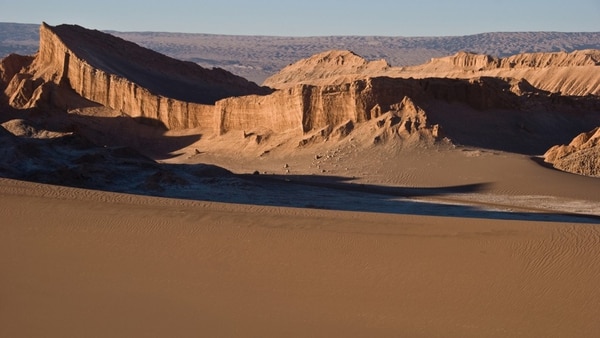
point(344, 196)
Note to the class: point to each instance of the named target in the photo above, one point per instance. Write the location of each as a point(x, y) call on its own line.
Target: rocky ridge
point(575, 74)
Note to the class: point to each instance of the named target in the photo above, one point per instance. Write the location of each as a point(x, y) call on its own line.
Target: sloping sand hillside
point(87, 263)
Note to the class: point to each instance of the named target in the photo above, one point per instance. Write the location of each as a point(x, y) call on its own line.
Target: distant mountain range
point(257, 57)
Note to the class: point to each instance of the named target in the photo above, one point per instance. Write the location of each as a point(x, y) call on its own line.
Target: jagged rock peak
point(156, 72)
point(325, 65)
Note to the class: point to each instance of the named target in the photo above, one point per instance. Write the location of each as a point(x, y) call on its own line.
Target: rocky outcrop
point(12, 65)
point(581, 156)
point(159, 74)
point(574, 74)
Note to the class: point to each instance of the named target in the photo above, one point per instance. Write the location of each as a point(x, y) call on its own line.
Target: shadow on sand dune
point(339, 193)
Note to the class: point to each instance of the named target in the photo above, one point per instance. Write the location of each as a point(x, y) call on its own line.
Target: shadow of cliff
point(147, 136)
point(342, 183)
point(340, 193)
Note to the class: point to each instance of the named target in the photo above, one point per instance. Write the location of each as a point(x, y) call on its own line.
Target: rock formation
point(581, 156)
point(139, 83)
point(324, 97)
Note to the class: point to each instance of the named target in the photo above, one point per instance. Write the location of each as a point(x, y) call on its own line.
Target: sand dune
point(120, 265)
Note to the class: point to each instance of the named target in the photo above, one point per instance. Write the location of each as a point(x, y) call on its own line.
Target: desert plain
point(429, 213)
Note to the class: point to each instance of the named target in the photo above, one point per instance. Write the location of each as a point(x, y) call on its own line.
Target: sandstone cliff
point(132, 80)
point(307, 108)
point(581, 156)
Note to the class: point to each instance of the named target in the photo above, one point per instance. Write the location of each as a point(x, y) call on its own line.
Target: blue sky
point(313, 18)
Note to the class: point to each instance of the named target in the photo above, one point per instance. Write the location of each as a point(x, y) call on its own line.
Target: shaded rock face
point(581, 156)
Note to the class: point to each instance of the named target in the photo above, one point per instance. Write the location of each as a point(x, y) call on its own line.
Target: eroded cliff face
point(307, 108)
point(100, 69)
point(124, 77)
